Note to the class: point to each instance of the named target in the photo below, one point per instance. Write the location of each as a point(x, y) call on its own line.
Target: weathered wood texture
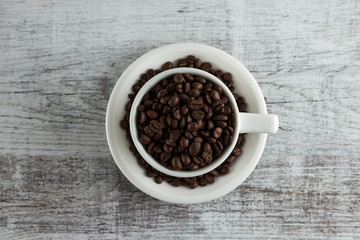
point(59, 61)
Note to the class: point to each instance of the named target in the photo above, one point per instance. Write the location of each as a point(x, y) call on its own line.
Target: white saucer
point(245, 86)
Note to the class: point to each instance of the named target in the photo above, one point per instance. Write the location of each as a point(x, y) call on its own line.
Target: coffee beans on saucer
point(185, 122)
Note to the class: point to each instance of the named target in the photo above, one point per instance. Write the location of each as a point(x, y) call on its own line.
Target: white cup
point(245, 123)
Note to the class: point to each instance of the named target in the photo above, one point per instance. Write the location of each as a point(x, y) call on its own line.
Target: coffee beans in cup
point(185, 122)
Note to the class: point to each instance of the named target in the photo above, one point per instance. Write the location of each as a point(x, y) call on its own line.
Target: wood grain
point(59, 61)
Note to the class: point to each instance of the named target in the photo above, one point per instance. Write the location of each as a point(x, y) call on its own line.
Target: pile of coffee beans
point(185, 122)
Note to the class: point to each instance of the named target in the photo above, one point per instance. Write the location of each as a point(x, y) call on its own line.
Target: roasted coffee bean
point(195, 146)
point(217, 132)
point(197, 63)
point(158, 179)
point(155, 126)
point(206, 67)
point(227, 76)
point(190, 59)
point(151, 173)
point(185, 159)
point(167, 66)
point(197, 85)
point(168, 148)
point(196, 104)
point(215, 173)
point(197, 114)
point(175, 182)
point(150, 148)
point(189, 77)
point(149, 132)
point(176, 163)
point(210, 125)
point(174, 101)
point(220, 118)
point(205, 134)
point(182, 63)
point(215, 95)
point(227, 140)
point(192, 127)
point(144, 139)
point(177, 114)
point(209, 178)
point(179, 78)
point(221, 124)
point(202, 182)
point(224, 170)
point(237, 151)
point(218, 89)
point(242, 107)
point(151, 114)
point(196, 160)
point(194, 92)
point(182, 122)
point(165, 156)
point(162, 93)
point(211, 140)
point(201, 79)
point(142, 118)
point(184, 109)
point(188, 135)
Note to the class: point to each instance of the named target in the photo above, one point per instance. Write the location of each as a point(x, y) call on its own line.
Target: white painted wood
point(59, 62)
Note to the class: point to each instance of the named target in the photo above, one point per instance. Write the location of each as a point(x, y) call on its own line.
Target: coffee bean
point(197, 63)
point(167, 66)
point(182, 63)
point(237, 151)
point(144, 139)
point(202, 182)
point(221, 124)
point(193, 167)
point(197, 85)
point(206, 67)
point(194, 92)
point(168, 148)
point(149, 132)
point(197, 114)
point(195, 146)
point(209, 178)
point(165, 156)
point(185, 159)
point(224, 171)
point(194, 185)
point(151, 114)
point(176, 163)
point(179, 78)
point(150, 148)
point(227, 76)
point(174, 101)
point(190, 59)
point(142, 118)
point(201, 79)
point(182, 122)
point(218, 89)
point(215, 173)
point(217, 132)
point(215, 95)
point(192, 127)
point(158, 179)
point(196, 104)
point(177, 114)
point(155, 126)
point(220, 117)
point(188, 135)
point(184, 110)
point(162, 93)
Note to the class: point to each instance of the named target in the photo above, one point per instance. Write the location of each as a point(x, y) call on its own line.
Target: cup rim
point(134, 131)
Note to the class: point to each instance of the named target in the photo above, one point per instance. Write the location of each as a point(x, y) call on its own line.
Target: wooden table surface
point(59, 61)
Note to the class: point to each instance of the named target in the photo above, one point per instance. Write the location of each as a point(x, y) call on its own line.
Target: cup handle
point(258, 123)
